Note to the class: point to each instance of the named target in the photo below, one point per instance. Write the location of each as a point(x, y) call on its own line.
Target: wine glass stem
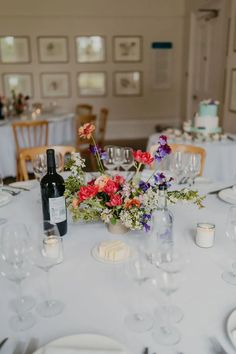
point(49, 290)
point(21, 300)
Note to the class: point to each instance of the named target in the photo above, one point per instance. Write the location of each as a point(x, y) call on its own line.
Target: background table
point(220, 158)
point(61, 131)
point(98, 296)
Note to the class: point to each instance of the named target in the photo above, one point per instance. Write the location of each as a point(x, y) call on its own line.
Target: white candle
point(52, 248)
point(205, 235)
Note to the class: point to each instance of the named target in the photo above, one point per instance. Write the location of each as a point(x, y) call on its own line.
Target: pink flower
point(115, 200)
point(111, 187)
point(101, 182)
point(87, 192)
point(86, 130)
point(119, 179)
point(75, 203)
point(143, 157)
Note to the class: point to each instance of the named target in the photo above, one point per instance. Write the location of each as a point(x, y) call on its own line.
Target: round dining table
point(220, 162)
point(98, 296)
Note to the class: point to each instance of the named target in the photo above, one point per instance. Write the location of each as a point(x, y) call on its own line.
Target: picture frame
point(53, 49)
point(55, 85)
point(127, 49)
point(232, 91)
point(90, 49)
point(19, 82)
point(15, 50)
point(92, 83)
point(127, 83)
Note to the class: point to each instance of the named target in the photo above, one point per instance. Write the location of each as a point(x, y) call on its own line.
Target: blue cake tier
point(208, 110)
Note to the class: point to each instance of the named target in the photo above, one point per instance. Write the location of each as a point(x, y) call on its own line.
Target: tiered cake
point(207, 120)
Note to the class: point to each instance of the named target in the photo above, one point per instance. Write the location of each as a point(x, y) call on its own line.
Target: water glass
point(230, 231)
point(109, 161)
point(193, 167)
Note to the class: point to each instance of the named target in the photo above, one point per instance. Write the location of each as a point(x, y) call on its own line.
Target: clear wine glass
point(16, 253)
point(48, 252)
point(109, 161)
point(171, 261)
point(128, 159)
point(39, 164)
point(119, 157)
point(138, 269)
point(193, 167)
point(178, 162)
point(2, 220)
point(230, 231)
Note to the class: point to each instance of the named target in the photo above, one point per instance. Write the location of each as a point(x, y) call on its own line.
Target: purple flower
point(144, 221)
point(97, 150)
point(163, 140)
point(162, 180)
point(162, 151)
point(144, 186)
point(145, 226)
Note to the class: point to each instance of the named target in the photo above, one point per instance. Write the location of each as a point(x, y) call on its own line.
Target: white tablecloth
point(220, 159)
point(98, 296)
point(61, 130)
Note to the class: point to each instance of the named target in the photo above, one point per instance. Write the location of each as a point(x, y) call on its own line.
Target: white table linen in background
point(61, 130)
point(220, 158)
point(98, 296)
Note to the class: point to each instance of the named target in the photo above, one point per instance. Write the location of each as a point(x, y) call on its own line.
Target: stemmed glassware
point(16, 254)
point(138, 269)
point(230, 276)
point(128, 160)
point(119, 157)
point(193, 167)
point(170, 262)
point(48, 253)
point(2, 220)
point(109, 161)
point(178, 162)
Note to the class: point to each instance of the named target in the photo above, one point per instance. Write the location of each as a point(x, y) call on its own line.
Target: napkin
point(66, 350)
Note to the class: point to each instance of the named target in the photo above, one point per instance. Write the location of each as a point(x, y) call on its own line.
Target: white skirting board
point(139, 127)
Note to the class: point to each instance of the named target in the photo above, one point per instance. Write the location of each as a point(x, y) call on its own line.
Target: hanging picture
point(14, 50)
point(127, 83)
point(55, 85)
point(91, 84)
point(20, 83)
point(90, 49)
point(127, 48)
point(232, 96)
point(53, 49)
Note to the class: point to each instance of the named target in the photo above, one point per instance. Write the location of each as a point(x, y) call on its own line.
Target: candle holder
point(205, 235)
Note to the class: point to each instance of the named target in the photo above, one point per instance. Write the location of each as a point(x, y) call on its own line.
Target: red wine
point(52, 193)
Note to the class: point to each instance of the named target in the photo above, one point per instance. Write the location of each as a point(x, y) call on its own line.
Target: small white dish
point(231, 327)
point(5, 198)
point(95, 254)
point(228, 196)
point(84, 344)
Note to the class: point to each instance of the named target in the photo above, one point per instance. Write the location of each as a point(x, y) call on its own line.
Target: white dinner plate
point(5, 198)
point(24, 184)
point(83, 344)
point(228, 196)
point(231, 326)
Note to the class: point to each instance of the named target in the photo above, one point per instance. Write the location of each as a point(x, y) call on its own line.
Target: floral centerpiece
point(114, 198)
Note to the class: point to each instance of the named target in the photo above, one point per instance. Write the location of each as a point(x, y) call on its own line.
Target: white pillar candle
point(205, 235)
point(52, 248)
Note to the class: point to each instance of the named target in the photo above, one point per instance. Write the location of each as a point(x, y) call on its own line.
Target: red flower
point(86, 130)
point(115, 200)
point(143, 157)
point(111, 187)
point(87, 192)
point(119, 179)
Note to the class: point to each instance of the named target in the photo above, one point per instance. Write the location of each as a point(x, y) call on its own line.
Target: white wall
point(154, 20)
point(230, 117)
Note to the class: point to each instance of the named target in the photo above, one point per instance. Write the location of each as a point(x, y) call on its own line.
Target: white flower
point(106, 215)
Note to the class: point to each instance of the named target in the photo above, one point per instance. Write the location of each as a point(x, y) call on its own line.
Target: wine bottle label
point(57, 209)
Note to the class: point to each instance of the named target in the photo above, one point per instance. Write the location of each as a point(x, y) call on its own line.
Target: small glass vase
point(118, 228)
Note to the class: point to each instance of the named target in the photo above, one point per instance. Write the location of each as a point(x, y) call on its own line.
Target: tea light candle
point(205, 235)
point(52, 248)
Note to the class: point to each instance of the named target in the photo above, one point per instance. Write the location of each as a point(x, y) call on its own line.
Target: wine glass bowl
point(119, 156)
point(109, 161)
point(193, 167)
point(128, 160)
point(178, 162)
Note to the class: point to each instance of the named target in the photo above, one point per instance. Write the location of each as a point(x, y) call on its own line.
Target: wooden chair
point(102, 126)
point(191, 149)
point(84, 109)
point(27, 155)
point(29, 134)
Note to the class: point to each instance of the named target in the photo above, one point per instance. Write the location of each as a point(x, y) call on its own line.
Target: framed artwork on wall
point(232, 91)
point(91, 84)
point(19, 82)
point(55, 85)
point(14, 50)
point(127, 83)
point(127, 48)
point(90, 49)
point(53, 49)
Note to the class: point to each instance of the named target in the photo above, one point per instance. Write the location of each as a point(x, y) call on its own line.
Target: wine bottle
point(52, 194)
